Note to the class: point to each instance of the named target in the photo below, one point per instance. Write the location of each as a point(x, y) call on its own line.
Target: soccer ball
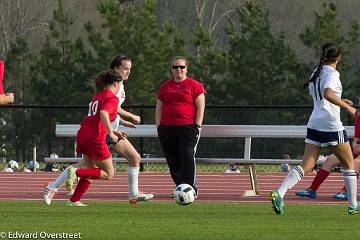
point(13, 164)
point(184, 194)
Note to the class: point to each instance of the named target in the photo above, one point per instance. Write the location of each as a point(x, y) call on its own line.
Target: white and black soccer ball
point(13, 164)
point(184, 194)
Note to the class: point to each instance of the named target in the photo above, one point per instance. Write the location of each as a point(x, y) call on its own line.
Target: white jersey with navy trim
point(325, 115)
point(121, 96)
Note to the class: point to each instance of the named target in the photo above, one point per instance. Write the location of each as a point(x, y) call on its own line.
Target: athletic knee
point(135, 160)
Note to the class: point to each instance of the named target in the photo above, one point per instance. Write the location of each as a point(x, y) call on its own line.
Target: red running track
point(212, 187)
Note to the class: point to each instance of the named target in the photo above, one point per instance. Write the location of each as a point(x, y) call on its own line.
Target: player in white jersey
point(324, 129)
point(122, 64)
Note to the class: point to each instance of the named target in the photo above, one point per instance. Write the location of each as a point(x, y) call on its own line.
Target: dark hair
point(329, 54)
point(116, 61)
point(106, 78)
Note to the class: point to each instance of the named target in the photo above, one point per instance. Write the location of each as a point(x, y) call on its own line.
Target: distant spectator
point(232, 169)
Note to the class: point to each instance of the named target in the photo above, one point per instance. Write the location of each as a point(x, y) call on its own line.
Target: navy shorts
point(324, 139)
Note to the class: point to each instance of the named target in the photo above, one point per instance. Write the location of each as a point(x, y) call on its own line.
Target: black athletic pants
point(179, 145)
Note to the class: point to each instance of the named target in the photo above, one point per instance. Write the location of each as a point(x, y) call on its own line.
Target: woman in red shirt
point(179, 115)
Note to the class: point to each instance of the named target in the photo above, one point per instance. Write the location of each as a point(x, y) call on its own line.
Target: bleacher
point(209, 131)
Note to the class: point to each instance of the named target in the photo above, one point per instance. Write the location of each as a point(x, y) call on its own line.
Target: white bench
point(211, 131)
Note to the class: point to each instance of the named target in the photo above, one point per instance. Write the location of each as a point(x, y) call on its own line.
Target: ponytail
point(315, 75)
point(98, 83)
point(330, 53)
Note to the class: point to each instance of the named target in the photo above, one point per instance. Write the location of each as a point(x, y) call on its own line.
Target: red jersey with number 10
point(92, 133)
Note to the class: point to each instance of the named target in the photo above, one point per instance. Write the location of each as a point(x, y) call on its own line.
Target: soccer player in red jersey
point(92, 137)
point(179, 115)
point(122, 65)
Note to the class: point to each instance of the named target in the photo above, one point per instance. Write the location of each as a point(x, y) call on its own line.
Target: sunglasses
point(177, 67)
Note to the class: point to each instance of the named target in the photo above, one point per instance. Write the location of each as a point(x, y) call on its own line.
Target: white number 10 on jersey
point(93, 106)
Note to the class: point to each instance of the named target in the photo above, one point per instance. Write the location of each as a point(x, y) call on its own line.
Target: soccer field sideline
point(212, 187)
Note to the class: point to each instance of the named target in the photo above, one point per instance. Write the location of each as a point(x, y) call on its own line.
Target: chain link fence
point(22, 127)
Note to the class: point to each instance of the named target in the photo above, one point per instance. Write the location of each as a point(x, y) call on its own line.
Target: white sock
point(351, 186)
point(133, 181)
point(60, 180)
point(293, 177)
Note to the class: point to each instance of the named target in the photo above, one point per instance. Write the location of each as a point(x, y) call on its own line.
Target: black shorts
point(324, 139)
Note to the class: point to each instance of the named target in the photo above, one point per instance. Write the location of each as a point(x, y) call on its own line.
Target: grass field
point(108, 220)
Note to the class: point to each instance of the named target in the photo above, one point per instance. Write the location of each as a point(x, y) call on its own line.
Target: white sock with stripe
point(133, 182)
point(60, 180)
point(293, 177)
point(351, 186)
